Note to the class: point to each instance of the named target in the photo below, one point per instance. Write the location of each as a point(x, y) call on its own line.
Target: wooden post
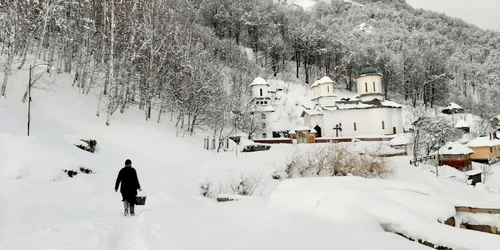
point(476, 210)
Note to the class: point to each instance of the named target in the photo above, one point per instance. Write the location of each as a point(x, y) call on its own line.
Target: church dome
point(368, 70)
point(259, 81)
point(324, 79)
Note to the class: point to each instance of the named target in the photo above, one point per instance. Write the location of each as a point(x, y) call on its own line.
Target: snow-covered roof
point(311, 112)
point(324, 79)
point(462, 124)
point(473, 172)
point(483, 141)
point(265, 108)
point(453, 106)
point(455, 148)
point(400, 140)
point(367, 105)
point(303, 128)
point(259, 81)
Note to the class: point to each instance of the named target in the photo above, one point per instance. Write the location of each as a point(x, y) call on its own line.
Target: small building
point(455, 155)
point(453, 108)
point(303, 134)
point(475, 176)
point(463, 125)
point(485, 148)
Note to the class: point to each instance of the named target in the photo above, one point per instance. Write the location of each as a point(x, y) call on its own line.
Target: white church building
point(367, 114)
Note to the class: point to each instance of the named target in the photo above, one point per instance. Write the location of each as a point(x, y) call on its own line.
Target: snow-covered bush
point(245, 185)
point(208, 189)
point(336, 160)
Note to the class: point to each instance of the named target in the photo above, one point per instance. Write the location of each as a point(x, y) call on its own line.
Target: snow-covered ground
point(42, 208)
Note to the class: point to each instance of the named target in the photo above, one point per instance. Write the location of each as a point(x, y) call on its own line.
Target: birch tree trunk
point(111, 63)
point(10, 47)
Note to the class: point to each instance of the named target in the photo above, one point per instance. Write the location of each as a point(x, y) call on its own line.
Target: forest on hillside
point(187, 56)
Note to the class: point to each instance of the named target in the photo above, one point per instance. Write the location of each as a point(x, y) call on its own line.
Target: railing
point(422, 159)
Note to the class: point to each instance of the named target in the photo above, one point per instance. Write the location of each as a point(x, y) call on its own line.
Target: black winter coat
point(129, 183)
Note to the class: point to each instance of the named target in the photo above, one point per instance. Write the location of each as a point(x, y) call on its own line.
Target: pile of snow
point(410, 209)
point(399, 140)
point(492, 220)
point(38, 157)
point(450, 183)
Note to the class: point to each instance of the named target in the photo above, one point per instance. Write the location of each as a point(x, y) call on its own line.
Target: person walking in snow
point(129, 186)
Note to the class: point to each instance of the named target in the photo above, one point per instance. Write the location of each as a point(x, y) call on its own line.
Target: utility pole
point(237, 115)
point(29, 101)
point(30, 84)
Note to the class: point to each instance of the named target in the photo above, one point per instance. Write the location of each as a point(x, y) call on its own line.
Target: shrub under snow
point(337, 160)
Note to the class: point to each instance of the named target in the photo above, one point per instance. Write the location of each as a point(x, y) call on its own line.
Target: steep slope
point(42, 204)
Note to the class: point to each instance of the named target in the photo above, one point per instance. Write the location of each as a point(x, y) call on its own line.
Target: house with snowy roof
point(366, 114)
point(485, 148)
point(261, 108)
point(452, 108)
point(455, 155)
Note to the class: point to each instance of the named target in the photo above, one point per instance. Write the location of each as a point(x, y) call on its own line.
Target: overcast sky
point(483, 13)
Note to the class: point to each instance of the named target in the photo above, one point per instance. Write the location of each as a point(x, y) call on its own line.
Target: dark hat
point(128, 162)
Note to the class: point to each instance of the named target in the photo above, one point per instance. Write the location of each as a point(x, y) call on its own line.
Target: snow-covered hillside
point(42, 208)
point(308, 4)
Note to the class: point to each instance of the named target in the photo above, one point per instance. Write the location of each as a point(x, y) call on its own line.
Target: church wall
point(368, 122)
point(327, 101)
point(314, 120)
point(316, 91)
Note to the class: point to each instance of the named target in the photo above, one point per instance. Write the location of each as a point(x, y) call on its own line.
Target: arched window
point(328, 89)
point(264, 135)
point(366, 87)
point(383, 125)
point(260, 92)
point(263, 125)
point(263, 116)
point(373, 86)
point(355, 128)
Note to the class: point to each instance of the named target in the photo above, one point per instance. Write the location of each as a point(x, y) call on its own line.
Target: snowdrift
point(409, 209)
